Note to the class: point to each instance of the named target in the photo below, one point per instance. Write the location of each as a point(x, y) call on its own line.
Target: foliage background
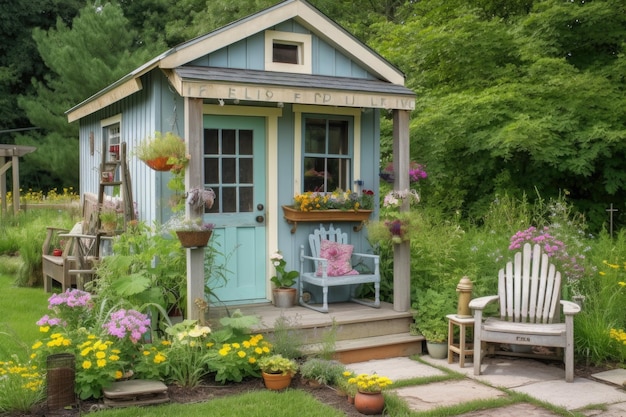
point(511, 96)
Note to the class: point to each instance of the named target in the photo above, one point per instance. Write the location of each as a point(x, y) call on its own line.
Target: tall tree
point(99, 48)
point(19, 60)
point(533, 102)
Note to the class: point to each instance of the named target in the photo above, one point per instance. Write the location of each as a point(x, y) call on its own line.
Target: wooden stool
point(462, 348)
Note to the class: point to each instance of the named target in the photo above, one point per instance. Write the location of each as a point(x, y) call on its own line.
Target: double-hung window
point(327, 156)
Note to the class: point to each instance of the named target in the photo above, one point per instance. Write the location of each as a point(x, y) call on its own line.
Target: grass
point(20, 308)
point(289, 403)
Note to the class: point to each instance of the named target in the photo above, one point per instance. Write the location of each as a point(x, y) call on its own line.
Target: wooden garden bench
point(528, 293)
point(331, 260)
point(78, 250)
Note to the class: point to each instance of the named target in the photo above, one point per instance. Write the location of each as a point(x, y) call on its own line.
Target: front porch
point(362, 333)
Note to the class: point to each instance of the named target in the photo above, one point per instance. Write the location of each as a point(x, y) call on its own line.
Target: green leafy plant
point(187, 353)
point(287, 338)
point(431, 309)
point(21, 385)
point(325, 372)
point(233, 361)
point(168, 146)
point(278, 364)
point(282, 279)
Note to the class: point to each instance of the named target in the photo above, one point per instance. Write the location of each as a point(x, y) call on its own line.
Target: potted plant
point(431, 309)
point(163, 152)
point(284, 294)
point(369, 398)
point(277, 371)
point(109, 217)
point(192, 233)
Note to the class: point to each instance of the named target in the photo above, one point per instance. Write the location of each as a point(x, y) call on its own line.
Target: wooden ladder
point(115, 173)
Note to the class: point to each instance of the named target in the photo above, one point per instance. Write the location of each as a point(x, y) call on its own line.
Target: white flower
point(276, 257)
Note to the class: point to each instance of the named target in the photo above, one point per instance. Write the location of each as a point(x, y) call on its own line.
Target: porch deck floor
point(302, 317)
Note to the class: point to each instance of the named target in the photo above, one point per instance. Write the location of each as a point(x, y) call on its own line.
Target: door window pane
point(229, 169)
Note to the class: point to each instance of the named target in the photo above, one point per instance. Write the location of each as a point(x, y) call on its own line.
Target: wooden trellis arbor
point(10, 158)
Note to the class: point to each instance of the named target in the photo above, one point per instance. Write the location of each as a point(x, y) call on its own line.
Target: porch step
point(375, 347)
point(359, 333)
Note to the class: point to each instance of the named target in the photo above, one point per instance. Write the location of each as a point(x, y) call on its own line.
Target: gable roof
point(299, 10)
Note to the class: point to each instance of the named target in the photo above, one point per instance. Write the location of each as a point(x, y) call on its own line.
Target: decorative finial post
point(464, 288)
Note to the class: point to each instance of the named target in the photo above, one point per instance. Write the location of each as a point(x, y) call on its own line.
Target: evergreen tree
point(99, 48)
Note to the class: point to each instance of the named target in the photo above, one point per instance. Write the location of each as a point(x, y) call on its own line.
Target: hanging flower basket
point(194, 238)
point(159, 164)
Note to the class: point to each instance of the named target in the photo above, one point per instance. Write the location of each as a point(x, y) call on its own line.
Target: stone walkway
point(602, 395)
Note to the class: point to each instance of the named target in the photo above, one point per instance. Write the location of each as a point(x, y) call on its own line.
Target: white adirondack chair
point(324, 280)
point(528, 293)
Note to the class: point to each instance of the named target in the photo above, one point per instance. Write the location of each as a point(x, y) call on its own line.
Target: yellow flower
point(158, 358)
point(44, 329)
point(37, 344)
point(114, 358)
point(101, 355)
point(101, 363)
point(146, 352)
point(252, 359)
point(118, 374)
point(241, 354)
point(86, 364)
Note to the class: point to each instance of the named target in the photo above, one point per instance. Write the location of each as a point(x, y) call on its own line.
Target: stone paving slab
point(614, 376)
point(446, 394)
point(574, 395)
point(506, 372)
point(395, 368)
point(515, 410)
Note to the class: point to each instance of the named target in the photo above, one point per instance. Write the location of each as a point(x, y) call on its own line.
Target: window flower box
point(294, 216)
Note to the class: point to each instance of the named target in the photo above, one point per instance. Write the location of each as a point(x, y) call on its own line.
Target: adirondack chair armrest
point(481, 302)
point(570, 308)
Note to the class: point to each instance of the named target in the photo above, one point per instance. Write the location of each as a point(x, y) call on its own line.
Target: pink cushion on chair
point(338, 256)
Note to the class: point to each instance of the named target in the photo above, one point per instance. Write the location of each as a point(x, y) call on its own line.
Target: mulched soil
point(209, 391)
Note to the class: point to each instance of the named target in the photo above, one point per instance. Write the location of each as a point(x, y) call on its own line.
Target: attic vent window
point(288, 52)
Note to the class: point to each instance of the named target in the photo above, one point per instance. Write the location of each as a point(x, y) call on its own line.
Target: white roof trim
point(300, 10)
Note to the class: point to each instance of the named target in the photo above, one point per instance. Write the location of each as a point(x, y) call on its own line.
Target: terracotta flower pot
point(159, 164)
point(276, 382)
point(369, 402)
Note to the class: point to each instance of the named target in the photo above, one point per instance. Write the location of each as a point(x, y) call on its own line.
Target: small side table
point(463, 349)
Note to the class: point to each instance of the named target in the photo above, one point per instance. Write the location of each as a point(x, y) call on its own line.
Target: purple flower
point(127, 322)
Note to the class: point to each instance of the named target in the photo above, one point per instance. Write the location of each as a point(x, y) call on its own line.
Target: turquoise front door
point(235, 167)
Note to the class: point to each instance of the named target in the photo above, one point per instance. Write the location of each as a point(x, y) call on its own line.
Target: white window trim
point(302, 40)
point(298, 109)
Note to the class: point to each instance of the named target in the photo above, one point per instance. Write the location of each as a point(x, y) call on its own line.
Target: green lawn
point(20, 308)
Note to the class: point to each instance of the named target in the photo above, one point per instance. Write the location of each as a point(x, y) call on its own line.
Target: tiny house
point(270, 106)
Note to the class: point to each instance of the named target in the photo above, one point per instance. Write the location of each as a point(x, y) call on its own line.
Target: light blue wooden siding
point(250, 54)
point(154, 108)
point(290, 243)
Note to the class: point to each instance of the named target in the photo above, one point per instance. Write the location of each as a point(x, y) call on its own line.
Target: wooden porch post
point(402, 251)
point(193, 178)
